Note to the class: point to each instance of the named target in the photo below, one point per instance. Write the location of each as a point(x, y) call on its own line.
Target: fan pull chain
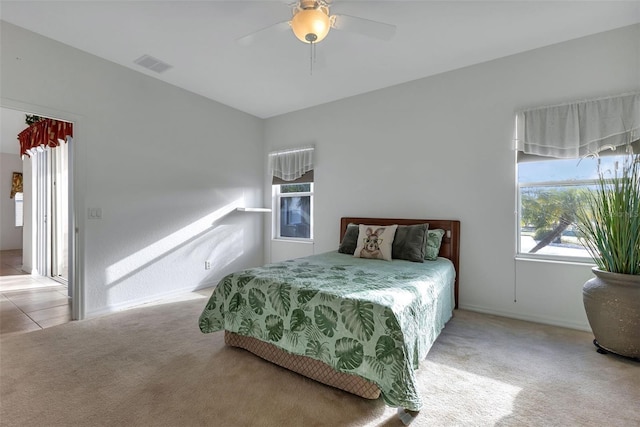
point(312, 57)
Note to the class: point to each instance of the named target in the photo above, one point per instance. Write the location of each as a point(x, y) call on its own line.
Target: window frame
point(577, 183)
point(18, 200)
point(277, 197)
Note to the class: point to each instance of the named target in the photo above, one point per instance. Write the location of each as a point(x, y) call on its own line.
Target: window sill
point(548, 260)
point(292, 240)
point(253, 209)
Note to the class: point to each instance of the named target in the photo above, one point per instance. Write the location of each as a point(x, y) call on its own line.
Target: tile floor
point(29, 303)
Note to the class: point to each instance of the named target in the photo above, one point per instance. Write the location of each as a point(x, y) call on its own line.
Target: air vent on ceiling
point(152, 64)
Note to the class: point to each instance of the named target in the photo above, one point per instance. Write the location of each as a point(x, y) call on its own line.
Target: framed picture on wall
point(16, 184)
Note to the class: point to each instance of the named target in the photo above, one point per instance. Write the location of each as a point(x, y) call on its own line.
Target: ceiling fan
point(312, 21)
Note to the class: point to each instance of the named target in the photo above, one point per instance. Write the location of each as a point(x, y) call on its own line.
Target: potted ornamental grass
point(609, 223)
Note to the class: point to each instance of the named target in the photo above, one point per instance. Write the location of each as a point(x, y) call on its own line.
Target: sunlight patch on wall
point(151, 253)
point(228, 247)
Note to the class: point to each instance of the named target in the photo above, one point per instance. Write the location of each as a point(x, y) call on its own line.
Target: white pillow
point(375, 241)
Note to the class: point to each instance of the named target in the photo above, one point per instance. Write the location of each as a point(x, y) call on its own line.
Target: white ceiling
point(272, 76)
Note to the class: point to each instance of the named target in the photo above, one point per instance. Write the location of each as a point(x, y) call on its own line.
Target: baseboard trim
point(564, 323)
point(157, 298)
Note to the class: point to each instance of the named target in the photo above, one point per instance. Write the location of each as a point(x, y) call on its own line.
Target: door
point(59, 224)
point(52, 219)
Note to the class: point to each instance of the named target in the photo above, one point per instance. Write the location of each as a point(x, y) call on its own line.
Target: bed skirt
point(306, 366)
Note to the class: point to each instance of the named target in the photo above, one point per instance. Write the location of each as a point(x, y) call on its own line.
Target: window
point(292, 172)
point(294, 207)
point(549, 193)
point(560, 151)
point(19, 198)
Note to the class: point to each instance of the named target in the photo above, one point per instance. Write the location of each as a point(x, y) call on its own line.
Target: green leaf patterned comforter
point(376, 319)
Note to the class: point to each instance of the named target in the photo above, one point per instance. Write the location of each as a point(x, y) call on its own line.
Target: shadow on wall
point(227, 243)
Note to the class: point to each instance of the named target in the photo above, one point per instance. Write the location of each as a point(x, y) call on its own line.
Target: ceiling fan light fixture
point(311, 25)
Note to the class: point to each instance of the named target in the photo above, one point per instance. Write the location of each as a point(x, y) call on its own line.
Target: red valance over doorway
point(47, 133)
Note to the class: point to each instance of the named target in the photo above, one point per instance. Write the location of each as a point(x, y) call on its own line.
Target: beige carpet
point(152, 367)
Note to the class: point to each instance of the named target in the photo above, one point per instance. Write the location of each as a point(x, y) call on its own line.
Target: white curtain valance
point(290, 165)
point(578, 129)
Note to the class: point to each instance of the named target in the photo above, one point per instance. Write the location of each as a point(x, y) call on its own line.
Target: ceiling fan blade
point(251, 38)
point(366, 27)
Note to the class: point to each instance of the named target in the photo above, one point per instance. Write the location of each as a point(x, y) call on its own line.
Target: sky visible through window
point(565, 169)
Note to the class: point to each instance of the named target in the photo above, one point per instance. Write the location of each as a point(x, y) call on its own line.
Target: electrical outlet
point(207, 265)
point(94, 213)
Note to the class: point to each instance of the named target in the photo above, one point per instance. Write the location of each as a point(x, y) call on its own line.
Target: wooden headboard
point(450, 247)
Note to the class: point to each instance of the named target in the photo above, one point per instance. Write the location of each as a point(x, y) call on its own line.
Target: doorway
point(50, 229)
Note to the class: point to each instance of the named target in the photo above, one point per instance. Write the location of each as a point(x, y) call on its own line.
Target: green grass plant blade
point(609, 219)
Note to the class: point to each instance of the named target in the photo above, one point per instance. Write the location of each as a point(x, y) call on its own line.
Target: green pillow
point(434, 240)
point(409, 242)
point(350, 240)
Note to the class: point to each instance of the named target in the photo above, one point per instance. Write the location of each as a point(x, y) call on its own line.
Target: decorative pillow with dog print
point(375, 241)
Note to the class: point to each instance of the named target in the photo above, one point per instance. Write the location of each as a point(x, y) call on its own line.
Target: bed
point(361, 325)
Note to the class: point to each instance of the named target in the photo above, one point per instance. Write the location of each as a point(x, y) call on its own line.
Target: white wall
point(167, 168)
point(11, 124)
point(282, 249)
point(10, 235)
point(441, 147)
